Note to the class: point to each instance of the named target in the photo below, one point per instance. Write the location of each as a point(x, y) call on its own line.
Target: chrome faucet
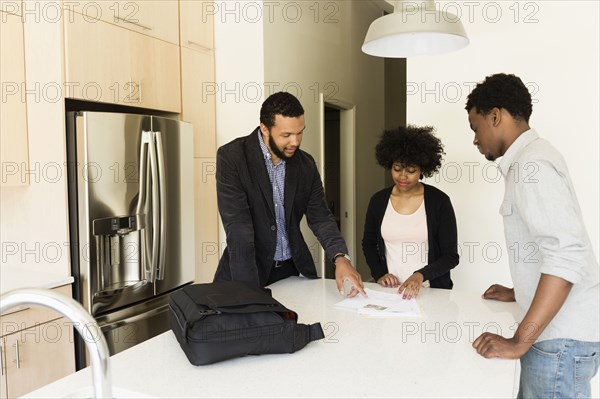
point(84, 323)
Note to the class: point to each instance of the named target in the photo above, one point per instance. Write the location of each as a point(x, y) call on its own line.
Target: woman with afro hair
point(410, 239)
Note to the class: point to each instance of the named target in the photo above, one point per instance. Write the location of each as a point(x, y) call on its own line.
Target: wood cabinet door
point(156, 18)
point(199, 93)
point(156, 73)
point(3, 390)
point(14, 151)
point(197, 25)
point(97, 63)
point(38, 356)
point(105, 63)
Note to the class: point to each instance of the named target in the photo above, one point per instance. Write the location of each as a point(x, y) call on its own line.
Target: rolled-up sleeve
point(547, 206)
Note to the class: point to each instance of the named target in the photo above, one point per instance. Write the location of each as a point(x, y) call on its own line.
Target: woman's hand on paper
point(411, 287)
point(388, 280)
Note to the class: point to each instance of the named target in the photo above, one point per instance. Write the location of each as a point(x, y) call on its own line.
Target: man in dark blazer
point(265, 185)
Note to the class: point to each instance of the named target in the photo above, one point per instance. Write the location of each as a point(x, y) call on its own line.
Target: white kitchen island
point(360, 356)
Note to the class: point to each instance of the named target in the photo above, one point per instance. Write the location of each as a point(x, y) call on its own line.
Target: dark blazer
point(441, 236)
point(245, 200)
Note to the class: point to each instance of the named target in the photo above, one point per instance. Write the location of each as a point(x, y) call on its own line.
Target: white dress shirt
point(545, 233)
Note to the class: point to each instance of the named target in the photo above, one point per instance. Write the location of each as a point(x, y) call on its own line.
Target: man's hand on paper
point(345, 272)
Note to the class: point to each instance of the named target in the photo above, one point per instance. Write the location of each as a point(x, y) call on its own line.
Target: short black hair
point(411, 145)
point(280, 103)
point(501, 91)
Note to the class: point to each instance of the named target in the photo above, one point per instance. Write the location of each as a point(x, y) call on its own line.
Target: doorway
point(338, 171)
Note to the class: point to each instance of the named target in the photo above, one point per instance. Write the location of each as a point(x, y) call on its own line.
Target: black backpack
point(223, 320)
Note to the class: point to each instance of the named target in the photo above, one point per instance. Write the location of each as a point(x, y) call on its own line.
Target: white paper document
point(382, 304)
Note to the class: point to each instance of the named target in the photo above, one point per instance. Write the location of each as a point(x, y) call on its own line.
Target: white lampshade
point(414, 28)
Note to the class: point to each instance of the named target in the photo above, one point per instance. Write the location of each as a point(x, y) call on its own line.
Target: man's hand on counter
point(491, 345)
point(345, 272)
point(499, 293)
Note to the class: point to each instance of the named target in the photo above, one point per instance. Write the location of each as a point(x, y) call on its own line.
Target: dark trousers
point(281, 270)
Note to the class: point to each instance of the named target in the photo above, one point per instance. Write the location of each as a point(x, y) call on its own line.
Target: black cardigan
point(441, 234)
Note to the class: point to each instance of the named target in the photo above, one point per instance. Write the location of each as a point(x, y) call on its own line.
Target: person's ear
point(496, 116)
point(264, 129)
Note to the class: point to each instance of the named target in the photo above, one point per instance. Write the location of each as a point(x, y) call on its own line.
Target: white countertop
point(361, 356)
point(13, 277)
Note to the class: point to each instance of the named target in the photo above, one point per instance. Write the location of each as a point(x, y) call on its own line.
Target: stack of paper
point(382, 304)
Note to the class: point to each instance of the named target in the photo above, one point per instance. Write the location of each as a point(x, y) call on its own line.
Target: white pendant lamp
point(414, 28)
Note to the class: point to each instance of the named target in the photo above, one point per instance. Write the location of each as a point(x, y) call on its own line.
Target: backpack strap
point(315, 332)
point(304, 333)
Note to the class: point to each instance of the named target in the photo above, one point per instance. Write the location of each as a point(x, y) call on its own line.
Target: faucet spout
point(83, 322)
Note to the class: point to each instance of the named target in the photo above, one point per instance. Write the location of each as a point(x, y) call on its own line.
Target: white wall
point(305, 48)
point(315, 48)
point(239, 74)
point(559, 64)
point(553, 47)
point(239, 67)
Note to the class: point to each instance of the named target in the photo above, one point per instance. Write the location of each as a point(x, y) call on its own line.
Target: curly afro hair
point(280, 103)
point(501, 91)
point(411, 145)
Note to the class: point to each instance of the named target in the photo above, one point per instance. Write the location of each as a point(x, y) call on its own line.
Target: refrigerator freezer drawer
point(130, 326)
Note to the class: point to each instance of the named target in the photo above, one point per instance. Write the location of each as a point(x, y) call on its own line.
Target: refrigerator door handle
point(142, 202)
point(143, 172)
point(162, 205)
point(151, 274)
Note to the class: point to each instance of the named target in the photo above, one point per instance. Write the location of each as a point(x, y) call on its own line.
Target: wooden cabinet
point(156, 18)
point(106, 63)
point(36, 348)
point(14, 152)
point(198, 99)
point(198, 106)
point(197, 26)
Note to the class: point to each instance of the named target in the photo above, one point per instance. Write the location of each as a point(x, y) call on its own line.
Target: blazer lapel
point(256, 165)
point(292, 170)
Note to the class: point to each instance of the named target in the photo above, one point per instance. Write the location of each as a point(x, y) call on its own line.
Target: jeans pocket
point(540, 370)
point(544, 349)
point(586, 368)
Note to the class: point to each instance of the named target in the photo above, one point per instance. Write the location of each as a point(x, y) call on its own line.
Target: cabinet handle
point(146, 27)
point(132, 88)
point(17, 360)
point(16, 309)
point(130, 99)
point(15, 13)
point(193, 43)
point(1, 360)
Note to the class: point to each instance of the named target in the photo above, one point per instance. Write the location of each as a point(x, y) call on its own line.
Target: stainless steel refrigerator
point(131, 210)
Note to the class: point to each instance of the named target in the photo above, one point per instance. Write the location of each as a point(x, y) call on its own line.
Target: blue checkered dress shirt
point(277, 178)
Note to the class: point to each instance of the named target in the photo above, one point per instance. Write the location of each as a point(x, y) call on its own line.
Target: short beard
point(276, 151)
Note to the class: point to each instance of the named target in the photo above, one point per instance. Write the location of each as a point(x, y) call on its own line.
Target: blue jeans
point(559, 368)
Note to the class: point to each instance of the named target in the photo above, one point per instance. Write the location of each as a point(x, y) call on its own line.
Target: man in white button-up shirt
point(553, 267)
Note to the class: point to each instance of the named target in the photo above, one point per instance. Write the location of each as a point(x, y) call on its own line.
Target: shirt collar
point(511, 153)
point(265, 150)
